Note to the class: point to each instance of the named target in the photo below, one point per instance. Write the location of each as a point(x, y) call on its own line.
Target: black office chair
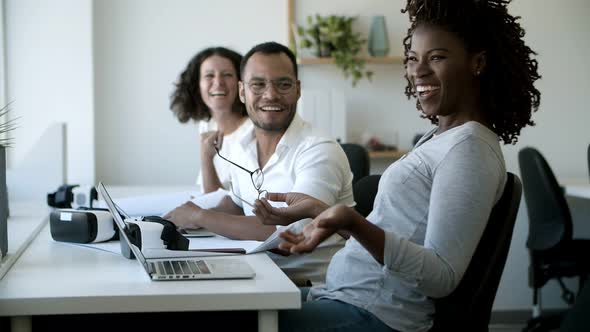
point(554, 253)
point(358, 158)
point(469, 306)
point(364, 191)
point(578, 318)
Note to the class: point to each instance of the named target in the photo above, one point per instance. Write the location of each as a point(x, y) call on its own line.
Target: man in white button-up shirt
point(288, 155)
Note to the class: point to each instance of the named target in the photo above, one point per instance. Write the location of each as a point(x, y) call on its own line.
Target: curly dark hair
point(186, 101)
point(508, 94)
point(270, 48)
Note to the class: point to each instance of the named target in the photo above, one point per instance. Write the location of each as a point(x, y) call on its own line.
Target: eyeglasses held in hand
point(260, 195)
point(282, 86)
point(256, 176)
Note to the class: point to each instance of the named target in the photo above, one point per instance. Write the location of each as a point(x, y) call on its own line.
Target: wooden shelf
point(387, 154)
point(368, 59)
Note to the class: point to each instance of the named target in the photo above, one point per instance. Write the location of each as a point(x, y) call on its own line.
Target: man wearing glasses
point(282, 153)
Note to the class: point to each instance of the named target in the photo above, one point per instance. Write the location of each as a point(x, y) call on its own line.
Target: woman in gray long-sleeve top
point(472, 75)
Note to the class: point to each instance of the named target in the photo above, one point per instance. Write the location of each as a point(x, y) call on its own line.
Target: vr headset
point(72, 196)
point(154, 232)
point(97, 225)
point(82, 226)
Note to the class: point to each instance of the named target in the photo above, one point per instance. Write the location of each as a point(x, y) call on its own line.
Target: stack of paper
point(160, 204)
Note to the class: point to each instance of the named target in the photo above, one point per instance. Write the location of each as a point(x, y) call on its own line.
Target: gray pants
point(328, 315)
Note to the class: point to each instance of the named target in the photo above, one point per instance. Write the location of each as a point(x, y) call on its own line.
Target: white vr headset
point(82, 226)
point(155, 233)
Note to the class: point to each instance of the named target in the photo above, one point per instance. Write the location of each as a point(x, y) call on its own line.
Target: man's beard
point(268, 126)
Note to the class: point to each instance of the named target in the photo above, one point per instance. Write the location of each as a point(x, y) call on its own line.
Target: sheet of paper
point(220, 242)
point(213, 242)
point(201, 232)
point(210, 200)
point(273, 241)
point(251, 247)
point(160, 204)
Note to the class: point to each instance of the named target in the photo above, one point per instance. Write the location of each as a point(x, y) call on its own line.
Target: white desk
point(57, 278)
point(577, 188)
point(25, 222)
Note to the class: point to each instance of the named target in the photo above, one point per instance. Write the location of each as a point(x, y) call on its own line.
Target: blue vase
point(378, 39)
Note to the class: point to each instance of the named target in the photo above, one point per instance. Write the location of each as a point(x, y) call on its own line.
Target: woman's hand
point(209, 141)
point(300, 206)
point(185, 216)
point(337, 218)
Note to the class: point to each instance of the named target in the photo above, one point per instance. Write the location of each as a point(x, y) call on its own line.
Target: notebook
point(179, 268)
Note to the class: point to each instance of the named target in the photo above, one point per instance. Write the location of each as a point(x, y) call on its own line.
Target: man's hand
point(332, 220)
point(300, 206)
point(185, 216)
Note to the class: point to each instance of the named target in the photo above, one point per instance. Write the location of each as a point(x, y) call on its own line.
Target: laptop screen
point(121, 224)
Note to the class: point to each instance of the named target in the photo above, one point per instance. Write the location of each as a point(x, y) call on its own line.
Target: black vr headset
point(72, 196)
point(140, 230)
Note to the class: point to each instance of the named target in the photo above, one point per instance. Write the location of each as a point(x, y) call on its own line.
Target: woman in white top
point(207, 92)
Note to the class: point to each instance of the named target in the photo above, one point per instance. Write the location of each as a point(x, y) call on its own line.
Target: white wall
point(562, 121)
point(561, 132)
point(141, 46)
point(2, 58)
point(49, 77)
point(378, 107)
point(559, 32)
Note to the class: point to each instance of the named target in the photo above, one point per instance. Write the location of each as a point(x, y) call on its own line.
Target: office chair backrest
point(358, 158)
point(550, 221)
point(364, 191)
point(469, 306)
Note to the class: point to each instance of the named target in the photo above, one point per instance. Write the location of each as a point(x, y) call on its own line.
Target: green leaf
point(335, 33)
point(300, 31)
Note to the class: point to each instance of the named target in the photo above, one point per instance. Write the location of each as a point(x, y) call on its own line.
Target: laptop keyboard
point(180, 267)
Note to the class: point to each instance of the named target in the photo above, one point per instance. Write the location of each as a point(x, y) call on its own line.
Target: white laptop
point(180, 268)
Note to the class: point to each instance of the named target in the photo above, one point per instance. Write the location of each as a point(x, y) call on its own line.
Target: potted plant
point(333, 36)
point(6, 126)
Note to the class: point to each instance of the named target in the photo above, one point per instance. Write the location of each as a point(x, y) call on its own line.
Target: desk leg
point(268, 321)
point(21, 323)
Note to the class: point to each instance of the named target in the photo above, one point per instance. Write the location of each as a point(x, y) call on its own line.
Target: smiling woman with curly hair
point(472, 75)
point(508, 96)
point(207, 92)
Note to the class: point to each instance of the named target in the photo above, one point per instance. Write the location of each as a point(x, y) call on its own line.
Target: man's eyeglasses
point(256, 176)
point(282, 86)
